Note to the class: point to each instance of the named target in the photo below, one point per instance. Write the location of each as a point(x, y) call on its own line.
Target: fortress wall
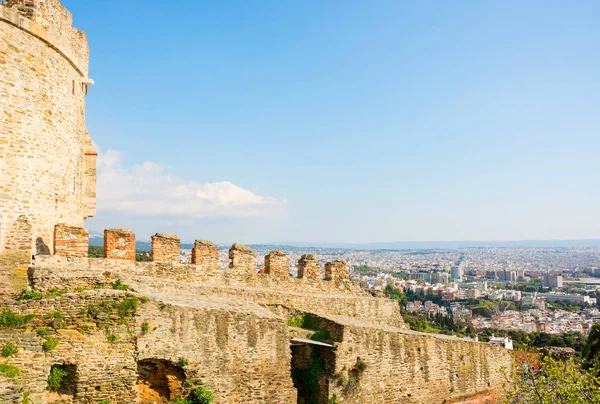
point(42, 129)
point(209, 274)
point(410, 367)
point(241, 354)
point(119, 244)
point(105, 371)
point(70, 241)
point(52, 272)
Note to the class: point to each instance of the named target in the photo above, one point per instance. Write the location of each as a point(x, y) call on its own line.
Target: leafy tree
point(546, 380)
point(591, 351)
point(95, 252)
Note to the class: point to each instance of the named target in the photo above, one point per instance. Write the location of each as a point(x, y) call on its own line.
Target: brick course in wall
point(206, 255)
point(165, 248)
point(242, 260)
point(119, 244)
point(337, 271)
point(70, 241)
point(309, 268)
point(277, 263)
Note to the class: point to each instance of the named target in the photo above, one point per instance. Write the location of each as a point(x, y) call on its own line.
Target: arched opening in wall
point(61, 384)
point(159, 381)
point(312, 364)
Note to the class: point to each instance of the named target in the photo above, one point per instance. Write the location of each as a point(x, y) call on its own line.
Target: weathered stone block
point(309, 268)
point(242, 259)
point(205, 254)
point(337, 271)
point(70, 241)
point(165, 248)
point(119, 244)
point(277, 263)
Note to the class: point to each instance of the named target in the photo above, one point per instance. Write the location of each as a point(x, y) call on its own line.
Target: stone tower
point(47, 159)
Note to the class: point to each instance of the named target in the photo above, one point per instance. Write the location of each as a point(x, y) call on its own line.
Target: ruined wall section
point(238, 351)
point(376, 363)
point(44, 143)
point(82, 342)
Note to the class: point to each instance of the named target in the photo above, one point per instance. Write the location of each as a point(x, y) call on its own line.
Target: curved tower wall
point(47, 159)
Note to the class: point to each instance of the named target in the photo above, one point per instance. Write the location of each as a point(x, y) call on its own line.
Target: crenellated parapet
point(120, 256)
point(242, 260)
point(119, 244)
point(165, 248)
point(70, 241)
point(337, 271)
point(206, 255)
point(309, 268)
point(277, 263)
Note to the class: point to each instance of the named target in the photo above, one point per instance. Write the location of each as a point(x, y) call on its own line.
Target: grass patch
point(29, 294)
point(320, 336)
point(9, 370)
point(306, 321)
point(9, 319)
point(145, 327)
point(118, 285)
point(9, 349)
point(50, 344)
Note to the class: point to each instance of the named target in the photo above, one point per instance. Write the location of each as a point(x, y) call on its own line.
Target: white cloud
point(148, 189)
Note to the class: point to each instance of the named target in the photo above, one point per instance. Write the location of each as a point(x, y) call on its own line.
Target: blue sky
point(346, 121)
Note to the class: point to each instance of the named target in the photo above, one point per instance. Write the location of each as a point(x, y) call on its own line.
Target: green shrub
point(57, 315)
point(9, 349)
point(144, 299)
point(145, 327)
point(9, 319)
point(118, 285)
point(182, 362)
point(333, 400)
point(320, 336)
point(181, 400)
point(127, 307)
point(202, 396)
point(26, 398)
point(361, 365)
point(50, 344)
point(29, 294)
point(111, 337)
point(55, 292)
point(9, 370)
point(56, 378)
point(306, 321)
point(42, 332)
point(95, 251)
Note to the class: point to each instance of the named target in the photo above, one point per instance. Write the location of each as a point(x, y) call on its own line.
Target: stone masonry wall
point(206, 255)
point(242, 260)
point(161, 280)
point(119, 244)
point(165, 248)
point(411, 367)
point(337, 271)
point(309, 268)
point(43, 68)
point(277, 263)
point(105, 370)
point(238, 351)
point(70, 241)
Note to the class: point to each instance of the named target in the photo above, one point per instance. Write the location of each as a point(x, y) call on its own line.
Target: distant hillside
point(97, 239)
